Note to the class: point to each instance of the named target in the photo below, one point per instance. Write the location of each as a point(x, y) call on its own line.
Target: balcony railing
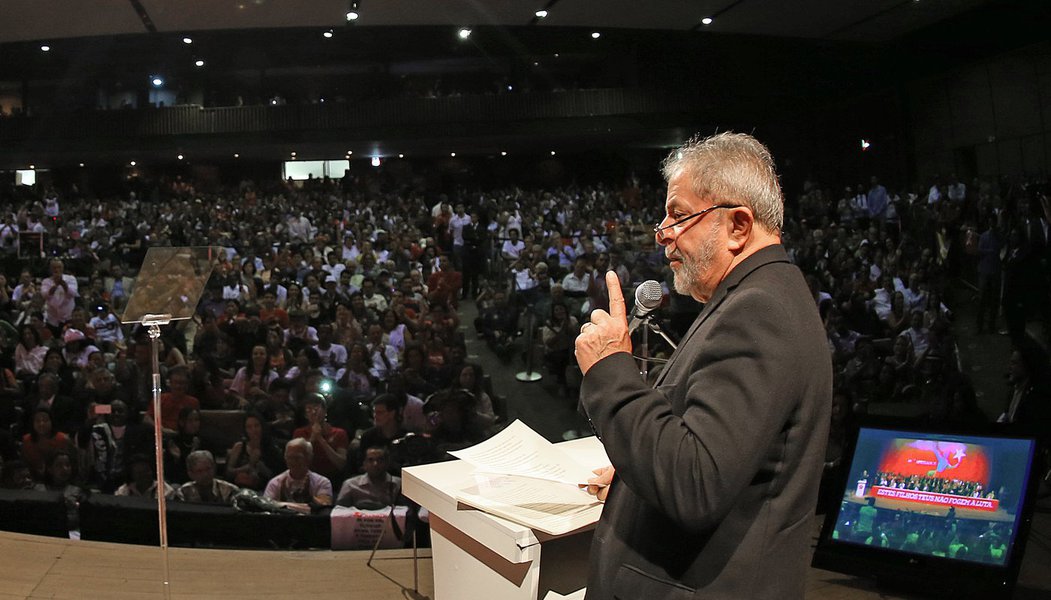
point(196, 120)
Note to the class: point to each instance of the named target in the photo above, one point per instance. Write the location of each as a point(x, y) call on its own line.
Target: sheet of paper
point(549, 506)
point(518, 450)
point(577, 595)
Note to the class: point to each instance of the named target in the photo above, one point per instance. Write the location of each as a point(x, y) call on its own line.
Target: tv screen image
point(921, 504)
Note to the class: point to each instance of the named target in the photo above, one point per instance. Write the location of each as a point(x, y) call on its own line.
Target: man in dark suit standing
point(717, 465)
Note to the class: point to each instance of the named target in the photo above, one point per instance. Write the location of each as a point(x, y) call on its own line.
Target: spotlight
point(157, 81)
point(32, 167)
point(187, 40)
point(352, 10)
point(865, 145)
point(236, 155)
point(375, 161)
point(352, 15)
point(327, 34)
point(400, 155)
point(706, 21)
point(595, 35)
point(452, 154)
point(503, 153)
point(552, 153)
point(540, 14)
point(81, 164)
point(45, 48)
point(198, 63)
point(179, 157)
point(349, 152)
point(132, 163)
point(464, 33)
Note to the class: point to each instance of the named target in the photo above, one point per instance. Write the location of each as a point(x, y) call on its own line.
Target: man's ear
point(740, 223)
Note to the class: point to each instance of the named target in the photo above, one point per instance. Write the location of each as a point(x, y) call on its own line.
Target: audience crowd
point(949, 536)
point(331, 324)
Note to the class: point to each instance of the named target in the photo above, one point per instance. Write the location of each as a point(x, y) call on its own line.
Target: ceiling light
point(865, 144)
point(706, 21)
point(352, 10)
point(198, 63)
point(452, 154)
point(375, 161)
point(540, 14)
point(503, 153)
point(45, 48)
point(236, 155)
point(349, 152)
point(157, 81)
point(552, 153)
point(33, 167)
point(400, 155)
point(132, 163)
point(187, 40)
point(327, 34)
point(179, 157)
point(464, 33)
point(595, 35)
point(82, 164)
point(293, 154)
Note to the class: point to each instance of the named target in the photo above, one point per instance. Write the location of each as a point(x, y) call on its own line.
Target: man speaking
point(716, 467)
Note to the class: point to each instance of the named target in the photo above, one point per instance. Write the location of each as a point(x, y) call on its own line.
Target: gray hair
point(307, 447)
point(731, 167)
point(197, 456)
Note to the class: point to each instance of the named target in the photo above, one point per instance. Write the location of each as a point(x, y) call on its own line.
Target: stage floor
point(42, 567)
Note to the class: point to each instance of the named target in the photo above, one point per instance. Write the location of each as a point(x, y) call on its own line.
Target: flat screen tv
point(938, 512)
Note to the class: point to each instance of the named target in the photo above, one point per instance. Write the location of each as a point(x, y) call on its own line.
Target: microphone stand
point(654, 326)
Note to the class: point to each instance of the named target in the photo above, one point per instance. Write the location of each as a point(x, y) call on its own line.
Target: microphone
point(648, 298)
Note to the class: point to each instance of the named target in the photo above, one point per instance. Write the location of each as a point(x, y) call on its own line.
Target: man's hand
point(599, 486)
point(607, 333)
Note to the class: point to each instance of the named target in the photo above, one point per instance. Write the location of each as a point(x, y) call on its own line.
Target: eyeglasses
point(660, 230)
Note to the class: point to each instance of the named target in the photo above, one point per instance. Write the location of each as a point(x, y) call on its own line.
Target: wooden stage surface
point(42, 567)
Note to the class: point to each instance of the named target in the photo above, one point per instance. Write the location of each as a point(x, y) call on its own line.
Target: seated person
point(253, 459)
point(386, 424)
point(299, 488)
point(16, 476)
point(174, 400)
point(374, 488)
point(141, 480)
point(203, 487)
point(59, 478)
point(329, 443)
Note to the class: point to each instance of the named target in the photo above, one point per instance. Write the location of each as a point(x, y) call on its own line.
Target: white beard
point(688, 276)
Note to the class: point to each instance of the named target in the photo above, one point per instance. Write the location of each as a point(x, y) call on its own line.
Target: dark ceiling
point(839, 20)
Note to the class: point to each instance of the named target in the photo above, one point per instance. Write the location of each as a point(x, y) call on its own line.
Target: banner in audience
point(356, 529)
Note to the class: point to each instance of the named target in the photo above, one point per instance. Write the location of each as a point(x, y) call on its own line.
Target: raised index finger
point(616, 297)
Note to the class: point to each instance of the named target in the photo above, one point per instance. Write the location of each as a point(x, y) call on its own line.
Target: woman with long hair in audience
point(29, 353)
point(470, 378)
point(250, 281)
point(395, 331)
point(187, 439)
point(255, 458)
point(55, 363)
point(294, 298)
point(898, 319)
point(278, 357)
point(253, 380)
point(41, 442)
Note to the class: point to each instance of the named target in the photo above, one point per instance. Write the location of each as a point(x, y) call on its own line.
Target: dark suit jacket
point(718, 465)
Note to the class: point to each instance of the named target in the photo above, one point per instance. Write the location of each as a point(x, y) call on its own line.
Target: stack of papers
point(524, 478)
